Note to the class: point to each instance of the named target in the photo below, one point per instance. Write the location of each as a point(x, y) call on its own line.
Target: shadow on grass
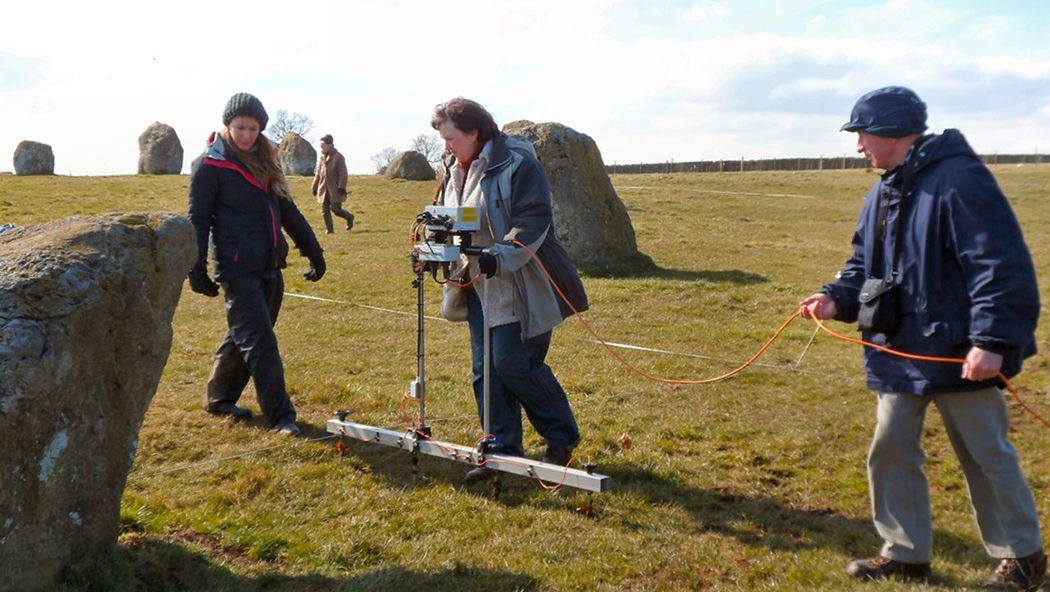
point(641, 266)
point(771, 523)
point(757, 521)
point(154, 565)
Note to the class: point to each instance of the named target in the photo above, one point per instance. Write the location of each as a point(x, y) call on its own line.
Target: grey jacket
point(518, 204)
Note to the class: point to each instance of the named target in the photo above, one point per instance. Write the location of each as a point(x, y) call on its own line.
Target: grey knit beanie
point(245, 104)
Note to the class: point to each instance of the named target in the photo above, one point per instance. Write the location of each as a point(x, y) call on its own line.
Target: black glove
point(342, 191)
point(201, 283)
point(314, 191)
point(487, 265)
point(317, 268)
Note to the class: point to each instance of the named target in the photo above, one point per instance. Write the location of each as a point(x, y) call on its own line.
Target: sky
point(649, 80)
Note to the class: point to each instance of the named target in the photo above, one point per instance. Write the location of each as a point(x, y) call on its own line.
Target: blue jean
point(519, 379)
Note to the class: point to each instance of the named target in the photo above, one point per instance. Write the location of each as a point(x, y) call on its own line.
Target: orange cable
point(1006, 383)
point(637, 370)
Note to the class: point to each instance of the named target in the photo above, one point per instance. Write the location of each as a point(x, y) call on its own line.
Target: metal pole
point(420, 352)
point(485, 376)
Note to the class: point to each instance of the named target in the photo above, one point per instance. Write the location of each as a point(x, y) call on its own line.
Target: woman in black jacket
point(239, 197)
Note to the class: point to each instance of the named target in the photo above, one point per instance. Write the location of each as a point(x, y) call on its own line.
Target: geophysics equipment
point(442, 234)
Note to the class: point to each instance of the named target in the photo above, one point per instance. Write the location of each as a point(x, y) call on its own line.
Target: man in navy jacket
point(959, 283)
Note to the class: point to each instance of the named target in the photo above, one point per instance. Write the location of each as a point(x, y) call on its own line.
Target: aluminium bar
point(408, 440)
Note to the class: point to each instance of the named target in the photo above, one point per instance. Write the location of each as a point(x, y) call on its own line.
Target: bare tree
point(430, 147)
point(383, 158)
point(285, 122)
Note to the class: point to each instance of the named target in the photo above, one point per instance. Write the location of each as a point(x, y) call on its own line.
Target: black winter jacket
point(243, 218)
point(965, 274)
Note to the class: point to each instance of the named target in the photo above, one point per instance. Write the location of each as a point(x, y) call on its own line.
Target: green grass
point(754, 483)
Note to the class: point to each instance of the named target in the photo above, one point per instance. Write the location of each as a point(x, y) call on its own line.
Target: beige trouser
point(976, 423)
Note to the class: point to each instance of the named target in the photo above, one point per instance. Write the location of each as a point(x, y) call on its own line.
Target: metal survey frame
point(416, 443)
point(448, 223)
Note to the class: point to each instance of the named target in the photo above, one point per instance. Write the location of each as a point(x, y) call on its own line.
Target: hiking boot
point(287, 428)
point(884, 568)
point(231, 410)
point(1025, 573)
point(478, 474)
point(557, 455)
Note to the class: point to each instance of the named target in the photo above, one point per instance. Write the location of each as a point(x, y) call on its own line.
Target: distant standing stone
point(590, 219)
point(297, 156)
point(410, 165)
point(34, 158)
point(160, 152)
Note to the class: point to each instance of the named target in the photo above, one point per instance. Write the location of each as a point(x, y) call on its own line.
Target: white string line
point(793, 368)
point(381, 310)
point(753, 193)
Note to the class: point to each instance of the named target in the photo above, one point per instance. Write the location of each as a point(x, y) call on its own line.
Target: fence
point(788, 164)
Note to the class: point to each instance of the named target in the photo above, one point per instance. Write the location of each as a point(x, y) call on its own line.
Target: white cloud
point(372, 70)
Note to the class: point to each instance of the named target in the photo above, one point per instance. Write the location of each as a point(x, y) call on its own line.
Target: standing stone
point(160, 152)
point(410, 165)
point(590, 219)
point(85, 330)
point(34, 158)
point(297, 156)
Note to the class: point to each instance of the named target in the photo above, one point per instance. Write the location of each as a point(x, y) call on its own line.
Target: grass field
point(753, 483)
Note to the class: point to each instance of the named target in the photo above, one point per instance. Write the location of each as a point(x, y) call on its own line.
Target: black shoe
point(231, 410)
point(883, 568)
point(478, 474)
point(558, 455)
point(1025, 573)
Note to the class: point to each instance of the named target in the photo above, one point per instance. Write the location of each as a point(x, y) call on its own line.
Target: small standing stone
point(34, 158)
point(297, 156)
point(160, 152)
point(410, 165)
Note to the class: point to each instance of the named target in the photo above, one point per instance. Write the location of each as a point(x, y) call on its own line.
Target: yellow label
point(469, 215)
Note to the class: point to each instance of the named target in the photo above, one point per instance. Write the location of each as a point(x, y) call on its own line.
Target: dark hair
point(467, 116)
point(327, 139)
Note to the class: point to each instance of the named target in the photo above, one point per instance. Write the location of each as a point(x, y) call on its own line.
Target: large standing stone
point(34, 158)
point(160, 152)
point(591, 221)
point(85, 330)
point(410, 165)
point(297, 156)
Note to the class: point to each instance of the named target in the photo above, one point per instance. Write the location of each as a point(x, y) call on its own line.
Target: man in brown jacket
point(330, 184)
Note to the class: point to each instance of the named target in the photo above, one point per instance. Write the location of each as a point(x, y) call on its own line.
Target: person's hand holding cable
point(818, 306)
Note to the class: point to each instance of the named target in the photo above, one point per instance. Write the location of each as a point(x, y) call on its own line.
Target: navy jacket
point(965, 274)
point(243, 217)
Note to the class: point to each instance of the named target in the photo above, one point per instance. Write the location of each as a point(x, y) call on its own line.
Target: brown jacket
point(330, 178)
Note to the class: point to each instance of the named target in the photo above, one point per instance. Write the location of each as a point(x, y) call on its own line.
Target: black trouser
point(249, 348)
point(328, 208)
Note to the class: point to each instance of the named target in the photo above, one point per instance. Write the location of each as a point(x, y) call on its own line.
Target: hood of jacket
point(933, 148)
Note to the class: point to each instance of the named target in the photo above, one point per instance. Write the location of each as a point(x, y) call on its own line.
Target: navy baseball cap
point(892, 112)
